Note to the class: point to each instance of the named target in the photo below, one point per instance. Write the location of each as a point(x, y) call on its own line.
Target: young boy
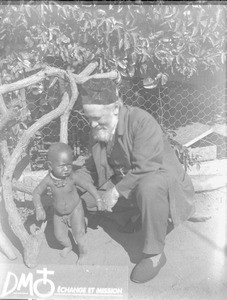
point(68, 209)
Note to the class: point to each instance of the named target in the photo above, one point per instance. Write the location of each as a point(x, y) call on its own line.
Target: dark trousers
point(151, 197)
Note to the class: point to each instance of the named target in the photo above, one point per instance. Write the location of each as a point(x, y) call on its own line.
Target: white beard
point(105, 134)
point(102, 135)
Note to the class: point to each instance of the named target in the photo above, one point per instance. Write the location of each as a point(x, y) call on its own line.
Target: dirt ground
point(196, 253)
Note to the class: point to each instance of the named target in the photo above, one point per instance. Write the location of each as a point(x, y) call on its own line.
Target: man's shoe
point(147, 268)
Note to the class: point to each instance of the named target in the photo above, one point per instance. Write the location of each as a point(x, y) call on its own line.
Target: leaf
point(44, 38)
point(126, 42)
point(134, 58)
point(164, 79)
point(157, 55)
point(195, 31)
point(135, 38)
point(145, 56)
point(65, 11)
point(119, 9)
point(51, 101)
point(223, 57)
point(101, 12)
point(42, 10)
point(124, 73)
point(127, 19)
point(121, 42)
point(149, 83)
point(29, 41)
point(108, 27)
point(93, 23)
point(15, 129)
point(131, 71)
point(204, 23)
point(178, 24)
point(54, 30)
point(65, 39)
point(85, 39)
point(23, 125)
point(62, 55)
point(3, 36)
point(143, 69)
point(53, 82)
point(171, 15)
point(28, 10)
point(158, 76)
point(122, 64)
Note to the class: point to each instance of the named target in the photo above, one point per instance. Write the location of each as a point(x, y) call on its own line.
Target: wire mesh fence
point(180, 104)
point(173, 106)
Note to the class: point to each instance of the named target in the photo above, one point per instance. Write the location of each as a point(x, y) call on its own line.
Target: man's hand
point(100, 204)
point(110, 198)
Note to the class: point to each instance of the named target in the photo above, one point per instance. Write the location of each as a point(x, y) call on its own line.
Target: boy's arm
point(38, 191)
point(88, 186)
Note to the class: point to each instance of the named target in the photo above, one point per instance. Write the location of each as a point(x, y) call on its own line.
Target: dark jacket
point(141, 148)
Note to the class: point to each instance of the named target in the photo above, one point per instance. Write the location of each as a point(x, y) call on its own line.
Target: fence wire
point(173, 105)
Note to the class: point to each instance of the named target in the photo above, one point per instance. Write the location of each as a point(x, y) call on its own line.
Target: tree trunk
point(65, 117)
point(30, 243)
point(21, 187)
point(6, 245)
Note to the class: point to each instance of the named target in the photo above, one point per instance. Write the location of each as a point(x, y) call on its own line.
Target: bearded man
point(129, 147)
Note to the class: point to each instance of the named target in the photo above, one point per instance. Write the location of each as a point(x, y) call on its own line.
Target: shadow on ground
point(110, 222)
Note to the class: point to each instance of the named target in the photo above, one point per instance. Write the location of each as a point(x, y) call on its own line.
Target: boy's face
point(61, 164)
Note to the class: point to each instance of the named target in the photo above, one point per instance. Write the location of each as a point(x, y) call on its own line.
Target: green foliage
point(148, 41)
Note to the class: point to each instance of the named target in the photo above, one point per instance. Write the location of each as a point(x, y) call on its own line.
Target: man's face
point(103, 119)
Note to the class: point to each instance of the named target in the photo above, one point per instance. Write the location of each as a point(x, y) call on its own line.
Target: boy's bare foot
point(86, 222)
point(81, 259)
point(82, 254)
point(65, 251)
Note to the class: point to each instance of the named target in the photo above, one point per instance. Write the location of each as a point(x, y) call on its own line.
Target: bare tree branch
point(81, 79)
point(66, 114)
point(21, 187)
point(41, 75)
point(3, 108)
point(33, 79)
point(11, 114)
point(6, 245)
point(29, 133)
point(89, 69)
point(4, 151)
point(29, 243)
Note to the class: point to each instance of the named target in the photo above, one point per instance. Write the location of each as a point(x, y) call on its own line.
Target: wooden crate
point(193, 137)
point(190, 134)
point(204, 150)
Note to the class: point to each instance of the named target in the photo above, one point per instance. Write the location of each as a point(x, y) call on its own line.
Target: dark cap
point(101, 91)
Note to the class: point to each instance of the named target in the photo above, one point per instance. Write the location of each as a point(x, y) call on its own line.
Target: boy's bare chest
point(64, 189)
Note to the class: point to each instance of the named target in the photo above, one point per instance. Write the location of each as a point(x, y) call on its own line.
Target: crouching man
point(130, 147)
